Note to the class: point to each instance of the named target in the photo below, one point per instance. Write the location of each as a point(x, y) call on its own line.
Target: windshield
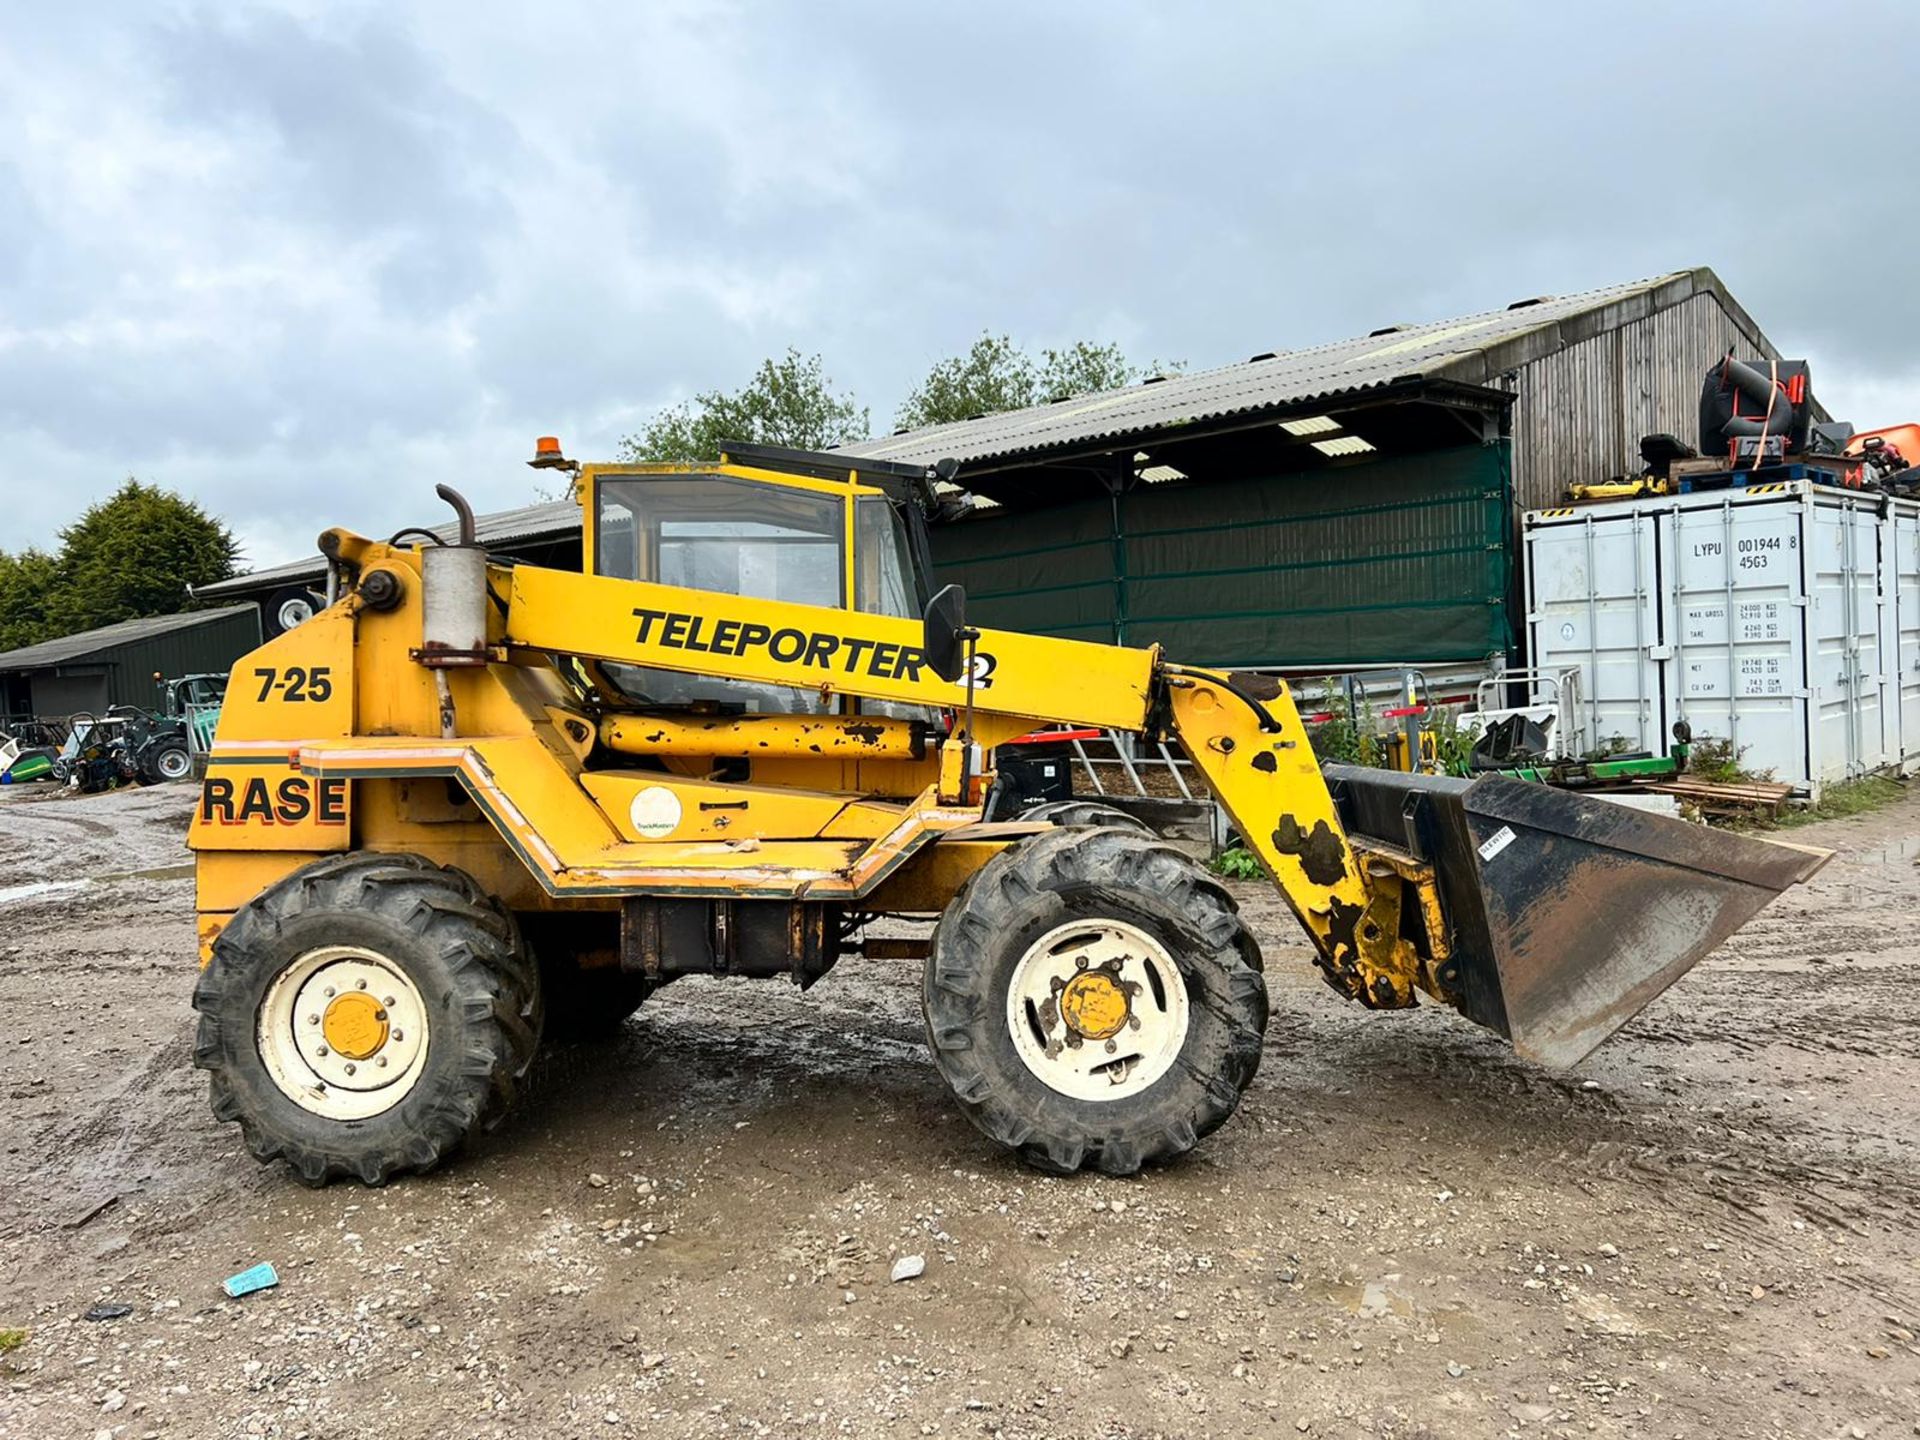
point(737, 537)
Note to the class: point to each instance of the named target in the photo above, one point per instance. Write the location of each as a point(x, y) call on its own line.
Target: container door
point(1887, 634)
point(1736, 611)
point(1843, 630)
point(1591, 582)
point(1903, 581)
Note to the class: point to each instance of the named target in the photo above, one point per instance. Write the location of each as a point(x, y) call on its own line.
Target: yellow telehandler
point(473, 801)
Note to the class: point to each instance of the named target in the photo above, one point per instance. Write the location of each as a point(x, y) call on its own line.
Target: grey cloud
point(273, 257)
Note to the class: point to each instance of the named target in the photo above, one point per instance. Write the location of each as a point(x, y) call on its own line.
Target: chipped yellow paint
point(1094, 1005)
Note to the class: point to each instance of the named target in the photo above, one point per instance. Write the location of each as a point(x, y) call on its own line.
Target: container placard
point(1759, 620)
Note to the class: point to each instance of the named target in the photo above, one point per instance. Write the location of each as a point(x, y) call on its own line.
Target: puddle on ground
point(39, 887)
point(165, 872)
point(61, 887)
point(1901, 852)
point(1374, 1299)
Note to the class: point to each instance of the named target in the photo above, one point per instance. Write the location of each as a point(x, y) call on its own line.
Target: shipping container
point(1783, 619)
point(1901, 576)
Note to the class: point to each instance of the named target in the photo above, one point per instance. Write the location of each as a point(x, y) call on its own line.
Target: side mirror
point(942, 627)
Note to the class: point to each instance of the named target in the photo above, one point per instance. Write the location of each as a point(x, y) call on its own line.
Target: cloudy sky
point(301, 261)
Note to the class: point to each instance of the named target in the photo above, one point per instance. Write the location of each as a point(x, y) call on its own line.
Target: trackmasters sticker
point(842, 654)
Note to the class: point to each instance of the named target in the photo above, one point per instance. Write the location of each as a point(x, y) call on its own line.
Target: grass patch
point(1236, 864)
point(1838, 802)
point(11, 1340)
point(1718, 761)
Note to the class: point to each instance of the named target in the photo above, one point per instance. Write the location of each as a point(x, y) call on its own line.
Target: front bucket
point(1568, 914)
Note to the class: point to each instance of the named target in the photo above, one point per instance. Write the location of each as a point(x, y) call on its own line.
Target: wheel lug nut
point(1111, 1047)
point(360, 985)
point(379, 1014)
point(349, 1069)
point(321, 1052)
point(313, 1019)
point(388, 1002)
point(1081, 963)
point(399, 1035)
point(381, 1062)
point(330, 992)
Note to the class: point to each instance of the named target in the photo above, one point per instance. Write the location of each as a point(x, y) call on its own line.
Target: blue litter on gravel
point(260, 1277)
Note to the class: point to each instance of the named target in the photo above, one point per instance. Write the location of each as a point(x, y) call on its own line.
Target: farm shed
point(1352, 503)
point(115, 664)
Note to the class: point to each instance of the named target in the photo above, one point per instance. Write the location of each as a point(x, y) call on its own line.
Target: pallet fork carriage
point(473, 802)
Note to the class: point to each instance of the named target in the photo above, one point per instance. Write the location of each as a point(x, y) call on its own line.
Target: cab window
point(707, 532)
point(736, 537)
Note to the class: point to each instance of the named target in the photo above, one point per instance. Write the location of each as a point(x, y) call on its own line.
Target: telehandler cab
point(471, 800)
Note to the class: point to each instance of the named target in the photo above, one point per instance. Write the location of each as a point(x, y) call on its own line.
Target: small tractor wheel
point(1094, 1000)
point(289, 607)
point(366, 1015)
point(1086, 812)
point(170, 762)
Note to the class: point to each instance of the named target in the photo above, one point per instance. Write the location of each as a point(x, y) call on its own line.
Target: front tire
point(170, 763)
point(1086, 812)
point(365, 1016)
point(1094, 1000)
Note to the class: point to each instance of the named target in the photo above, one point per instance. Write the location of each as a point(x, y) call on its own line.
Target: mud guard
point(1568, 914)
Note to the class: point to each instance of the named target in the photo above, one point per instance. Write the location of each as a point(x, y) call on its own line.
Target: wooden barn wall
point(1579, 414)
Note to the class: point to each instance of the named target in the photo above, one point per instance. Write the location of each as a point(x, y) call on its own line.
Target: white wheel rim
point(295, 612)
point(174, 764)
point(343, 1032)
point(1071, 1027)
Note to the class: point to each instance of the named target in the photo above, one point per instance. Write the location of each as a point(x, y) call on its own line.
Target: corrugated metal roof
point(502, 527)
point(70, 648)
point(1474, 349)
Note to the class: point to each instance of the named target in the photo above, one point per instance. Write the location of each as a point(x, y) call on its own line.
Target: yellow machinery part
point(1255, 755)
point(855, 737)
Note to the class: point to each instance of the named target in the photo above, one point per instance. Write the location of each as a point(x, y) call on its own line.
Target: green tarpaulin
point(1405, 559)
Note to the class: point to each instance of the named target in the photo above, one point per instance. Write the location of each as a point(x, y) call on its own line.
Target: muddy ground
point(1710, 1230)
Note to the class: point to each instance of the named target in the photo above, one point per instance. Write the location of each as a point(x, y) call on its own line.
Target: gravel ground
point(1709, 1231)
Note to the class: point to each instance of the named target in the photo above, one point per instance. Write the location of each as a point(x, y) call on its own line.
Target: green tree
point(996, 375)
point(790, 401)
point(26, 588)
point(135, 554)
point(1084, 368)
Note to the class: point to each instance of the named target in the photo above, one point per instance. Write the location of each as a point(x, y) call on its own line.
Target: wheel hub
point(1097, 1009)
point(343, 1032)
point(1094, 1004)
point(355, 1025)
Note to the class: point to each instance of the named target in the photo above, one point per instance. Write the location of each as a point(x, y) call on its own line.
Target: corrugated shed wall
point(123, 674)
point(212, 647)
point(1396, 560)
point(1579, 413)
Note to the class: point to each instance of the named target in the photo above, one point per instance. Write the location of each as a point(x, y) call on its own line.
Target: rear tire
point(1063, 906)
point(1086, 812)
point(399, 1089)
